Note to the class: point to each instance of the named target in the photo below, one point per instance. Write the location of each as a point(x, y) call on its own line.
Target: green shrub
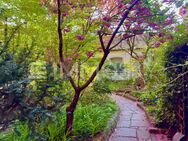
point(89, 96)
point(117, 67)
point(91, 119)
point(165, 115)
point(51, 130)
point(13, 87)
point(101, 86)
point(149, 98)
point(120, 84)
point(20, 132)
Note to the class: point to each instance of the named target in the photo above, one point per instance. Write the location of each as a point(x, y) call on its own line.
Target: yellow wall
point(119, 54)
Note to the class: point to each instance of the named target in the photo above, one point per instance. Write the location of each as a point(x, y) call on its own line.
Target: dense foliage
point(164, 77)
point(52, 50)
point(176, 71)
point(89, 120)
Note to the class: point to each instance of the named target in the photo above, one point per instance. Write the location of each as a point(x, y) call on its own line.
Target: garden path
point(133, 124)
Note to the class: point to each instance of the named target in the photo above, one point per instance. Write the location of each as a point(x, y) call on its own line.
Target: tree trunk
point(70, 113)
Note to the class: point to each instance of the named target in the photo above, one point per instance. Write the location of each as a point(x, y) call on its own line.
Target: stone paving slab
point(123, 139)
point(125, 132)
point(123, 123)
point(125, 117)
point(141, 123)
point(133, 124)
point(139, 116)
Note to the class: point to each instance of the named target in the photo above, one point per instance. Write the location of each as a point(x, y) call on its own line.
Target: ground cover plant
point(90, 119)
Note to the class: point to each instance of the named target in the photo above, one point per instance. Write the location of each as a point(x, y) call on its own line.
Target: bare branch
point(101, 41)
point(61, 45)
point(117, 43)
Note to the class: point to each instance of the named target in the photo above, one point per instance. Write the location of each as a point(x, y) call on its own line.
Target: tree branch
point(60, 36)
point(107, 50)
point(101, 41)
point(120, 42)
point(125, 15)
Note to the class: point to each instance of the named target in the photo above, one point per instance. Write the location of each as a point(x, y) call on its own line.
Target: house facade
point(121, 55)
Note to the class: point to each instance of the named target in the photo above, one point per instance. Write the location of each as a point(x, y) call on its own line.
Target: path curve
point(133, 124)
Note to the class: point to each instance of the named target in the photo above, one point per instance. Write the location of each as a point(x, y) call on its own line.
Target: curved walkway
point(133, 124)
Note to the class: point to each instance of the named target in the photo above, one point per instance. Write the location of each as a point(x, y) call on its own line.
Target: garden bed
point(92, 122)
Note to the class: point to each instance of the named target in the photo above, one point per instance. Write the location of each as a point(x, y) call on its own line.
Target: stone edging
point(105, 135)
point(131, 98)
point(127, 96)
